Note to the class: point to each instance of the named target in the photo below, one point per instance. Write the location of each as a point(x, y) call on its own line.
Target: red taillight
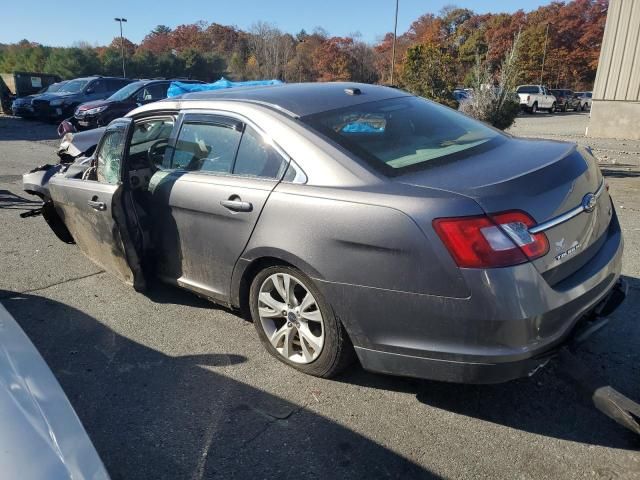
point(528, 98)
point(497, 241)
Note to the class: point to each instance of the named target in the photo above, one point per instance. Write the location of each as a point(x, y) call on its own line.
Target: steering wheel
point(156, 158)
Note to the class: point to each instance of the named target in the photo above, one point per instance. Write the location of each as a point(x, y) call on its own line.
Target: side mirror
point(89, 91)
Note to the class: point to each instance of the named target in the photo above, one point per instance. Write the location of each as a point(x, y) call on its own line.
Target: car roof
point(94, 77)
point(301, 99)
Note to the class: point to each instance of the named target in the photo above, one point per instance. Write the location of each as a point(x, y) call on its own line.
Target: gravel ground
point(171, 386)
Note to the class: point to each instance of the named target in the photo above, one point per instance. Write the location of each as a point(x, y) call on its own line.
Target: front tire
point(553, 107)
point(296, 324)
point(534, 108)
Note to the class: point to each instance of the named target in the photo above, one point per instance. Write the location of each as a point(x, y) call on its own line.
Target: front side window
point(154, 92)
point(256, 158)
point(207, 147)
point(403, 133)
point(109, 156)
point(150, 139)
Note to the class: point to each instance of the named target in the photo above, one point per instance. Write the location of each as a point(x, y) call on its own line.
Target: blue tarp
point(179, 88)
point(361, 127)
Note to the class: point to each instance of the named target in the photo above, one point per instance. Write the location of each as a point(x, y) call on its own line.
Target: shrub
point(493, 100)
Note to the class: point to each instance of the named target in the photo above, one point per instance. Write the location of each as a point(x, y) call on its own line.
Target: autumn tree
point(333, 60)
point(158, 41)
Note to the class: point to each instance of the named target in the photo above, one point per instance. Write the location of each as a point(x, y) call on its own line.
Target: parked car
point(63, 103)
point(41, 436)
point(99, 113)
point(23, 107)
point(347, 216)
point(21, 84)
point(536, 97)
point(565, 100)
point(585, 100)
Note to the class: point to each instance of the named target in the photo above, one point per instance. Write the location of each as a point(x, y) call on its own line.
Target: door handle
point(237, 205)
point(100, 206)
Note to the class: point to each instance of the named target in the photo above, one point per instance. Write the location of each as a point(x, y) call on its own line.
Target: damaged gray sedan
point(351, 218)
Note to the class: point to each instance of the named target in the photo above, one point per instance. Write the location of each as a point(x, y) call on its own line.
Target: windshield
point(54, 87)
point(74, 86)
point(125, 92)
point(401, 133)
point(528, 89)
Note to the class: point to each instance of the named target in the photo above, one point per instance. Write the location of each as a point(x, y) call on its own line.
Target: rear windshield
point(403, 133)
point(528, 89)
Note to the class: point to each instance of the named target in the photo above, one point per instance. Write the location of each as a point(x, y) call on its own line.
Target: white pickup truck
point(536, 97)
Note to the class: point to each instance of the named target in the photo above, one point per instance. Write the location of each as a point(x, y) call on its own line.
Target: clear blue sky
point(63, 23)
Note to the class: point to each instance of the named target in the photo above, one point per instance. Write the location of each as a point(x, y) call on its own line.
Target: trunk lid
point(543, 178)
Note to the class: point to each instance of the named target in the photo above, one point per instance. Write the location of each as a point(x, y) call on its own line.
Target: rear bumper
point(510, 325)
point(479, 372)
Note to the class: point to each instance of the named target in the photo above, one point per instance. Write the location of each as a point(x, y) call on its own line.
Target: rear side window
point(528, 89)
point(256, 158)
point(403, 133)
point(116, 84)
point(207, 147)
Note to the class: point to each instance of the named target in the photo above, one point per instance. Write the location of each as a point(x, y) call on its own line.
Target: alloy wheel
point(291, 318)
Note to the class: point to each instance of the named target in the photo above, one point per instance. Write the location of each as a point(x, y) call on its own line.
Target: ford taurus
point(352, 218)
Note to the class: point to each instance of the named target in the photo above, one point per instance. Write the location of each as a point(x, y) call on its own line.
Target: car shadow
point(545, 404)
point(10, 200)
point(154, 415)
point(619, 170)
point(545, 114)
point(16, 128)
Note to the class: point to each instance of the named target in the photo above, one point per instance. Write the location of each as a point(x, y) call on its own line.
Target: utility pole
point(393, 51)
point(124, 73)
point(544, 54)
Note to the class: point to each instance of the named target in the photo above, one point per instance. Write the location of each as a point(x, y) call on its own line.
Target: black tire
point(337, 351)
point(553, 108)
point(565, 108)
point(583, 107)
point(534, 108)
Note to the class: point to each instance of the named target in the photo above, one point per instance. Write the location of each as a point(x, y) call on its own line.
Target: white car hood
point(41, 436)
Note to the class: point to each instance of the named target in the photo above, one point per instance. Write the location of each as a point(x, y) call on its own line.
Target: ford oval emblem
point(589, 202)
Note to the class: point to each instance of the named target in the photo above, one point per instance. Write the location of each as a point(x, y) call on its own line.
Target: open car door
point(98, 212)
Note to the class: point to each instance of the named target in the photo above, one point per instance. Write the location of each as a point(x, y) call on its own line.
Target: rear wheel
point(296, 324)
point(534, 107)
point(553, 107)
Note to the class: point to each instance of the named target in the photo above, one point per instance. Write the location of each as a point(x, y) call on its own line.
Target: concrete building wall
point(615, 111)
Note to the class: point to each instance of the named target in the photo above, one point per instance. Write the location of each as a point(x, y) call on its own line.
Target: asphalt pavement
point(170, 386)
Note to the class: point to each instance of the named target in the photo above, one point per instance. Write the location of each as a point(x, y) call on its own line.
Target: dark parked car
point(566, 100)
point(23, 106)
point(100, 112)
point(347, 215)
point(63, 103)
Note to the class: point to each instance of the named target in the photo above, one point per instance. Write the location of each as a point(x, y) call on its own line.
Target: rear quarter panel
point(335, 236)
